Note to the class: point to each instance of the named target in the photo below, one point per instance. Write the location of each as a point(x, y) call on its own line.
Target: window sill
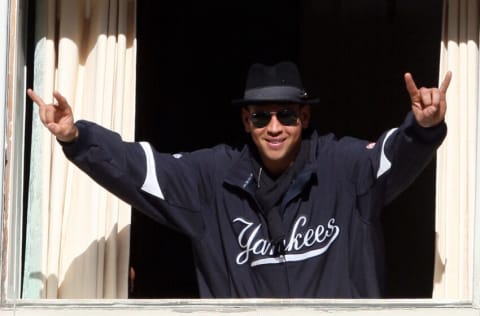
point(233, 307)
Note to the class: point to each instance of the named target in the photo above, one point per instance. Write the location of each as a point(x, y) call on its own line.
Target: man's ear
point(305, 115)
point(246, 120)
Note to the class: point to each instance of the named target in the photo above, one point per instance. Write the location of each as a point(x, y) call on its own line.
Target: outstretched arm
point(58, 118)
point(160, 185)
point(428, 104)
point(415, 142)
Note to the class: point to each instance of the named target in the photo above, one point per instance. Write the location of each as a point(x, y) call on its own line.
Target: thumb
point(63, 134)
point(53, 128)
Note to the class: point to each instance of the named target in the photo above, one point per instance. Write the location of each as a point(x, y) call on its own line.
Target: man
point(292, 214)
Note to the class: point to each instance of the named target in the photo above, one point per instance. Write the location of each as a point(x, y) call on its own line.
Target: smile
point(275, 143)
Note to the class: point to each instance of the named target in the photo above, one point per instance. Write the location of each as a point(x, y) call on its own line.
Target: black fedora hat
point(279, 83)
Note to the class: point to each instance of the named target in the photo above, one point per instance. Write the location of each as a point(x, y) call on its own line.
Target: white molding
point(231, 307)
point(476, 224)
point(16, 87)
point(4, 48)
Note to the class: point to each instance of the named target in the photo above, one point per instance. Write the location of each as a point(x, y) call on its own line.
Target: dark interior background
point(192, 60)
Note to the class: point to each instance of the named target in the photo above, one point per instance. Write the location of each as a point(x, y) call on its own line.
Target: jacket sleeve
point(170, 189)
point(409, 152)
point(386, 168)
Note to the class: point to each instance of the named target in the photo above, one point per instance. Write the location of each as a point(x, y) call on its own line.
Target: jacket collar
point(241, 174)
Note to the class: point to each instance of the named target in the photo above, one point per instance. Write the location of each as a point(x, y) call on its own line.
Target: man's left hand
point(428, 104)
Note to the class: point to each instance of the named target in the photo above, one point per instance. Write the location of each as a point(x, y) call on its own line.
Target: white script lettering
point(304, 242)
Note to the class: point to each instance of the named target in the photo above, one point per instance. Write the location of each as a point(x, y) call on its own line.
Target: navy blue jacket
point(334, 243)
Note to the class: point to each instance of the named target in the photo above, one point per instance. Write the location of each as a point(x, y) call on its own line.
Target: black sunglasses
point(287, 117)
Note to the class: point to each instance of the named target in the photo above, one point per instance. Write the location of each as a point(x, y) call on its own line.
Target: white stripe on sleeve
point(385, 164)
point(151, 184)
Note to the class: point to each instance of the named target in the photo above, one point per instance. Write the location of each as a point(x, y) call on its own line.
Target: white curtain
point(77, 240)
point(456, 164)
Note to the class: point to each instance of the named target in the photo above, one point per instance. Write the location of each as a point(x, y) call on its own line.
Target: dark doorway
point(192, 60)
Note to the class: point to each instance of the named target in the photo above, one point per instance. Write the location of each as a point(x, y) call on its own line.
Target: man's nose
point(274, 126)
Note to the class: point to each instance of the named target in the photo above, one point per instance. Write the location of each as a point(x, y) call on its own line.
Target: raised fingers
point(62, 101)
point(446, 82)
point(42, 107)
point(35, 97)
point(411, 86)
point(47, 112)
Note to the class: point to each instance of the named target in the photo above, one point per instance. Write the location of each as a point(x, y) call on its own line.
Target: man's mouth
point(275, 142)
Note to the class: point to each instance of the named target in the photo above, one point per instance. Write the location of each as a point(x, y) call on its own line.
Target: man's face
point(276, 130)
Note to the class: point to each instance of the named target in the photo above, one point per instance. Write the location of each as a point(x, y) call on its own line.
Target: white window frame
point(12, 80)
point(3, 110)
point(12, 92)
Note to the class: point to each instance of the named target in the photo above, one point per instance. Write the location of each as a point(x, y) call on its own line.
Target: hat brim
point(243, 102)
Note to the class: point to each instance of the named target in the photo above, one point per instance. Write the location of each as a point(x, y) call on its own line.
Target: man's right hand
point(58, 118)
